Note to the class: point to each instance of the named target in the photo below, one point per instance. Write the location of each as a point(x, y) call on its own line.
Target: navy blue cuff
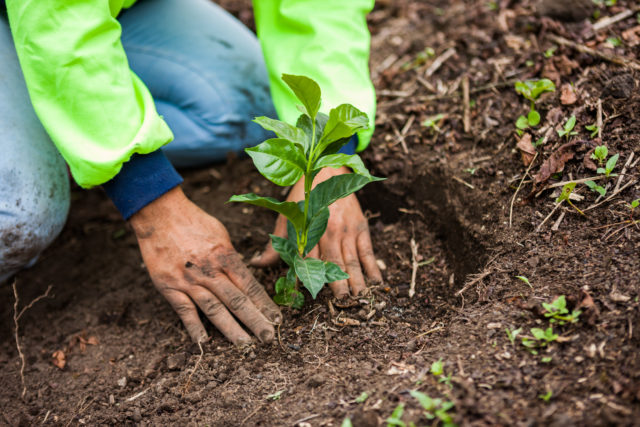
point(142, 179)
point(350, 147)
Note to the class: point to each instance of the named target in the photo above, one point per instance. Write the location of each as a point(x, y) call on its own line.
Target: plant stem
point(308, 182)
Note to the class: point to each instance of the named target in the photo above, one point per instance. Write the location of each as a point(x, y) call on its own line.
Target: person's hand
point(346, 242)
point(191, 261)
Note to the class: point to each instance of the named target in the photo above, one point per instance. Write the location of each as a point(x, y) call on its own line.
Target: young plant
point(395, 419)
point(567, 130)
point(531, 90)
point(513, 334)
point(301, 151)
point(557, 311)
point(609, 166)
point(600, 154)
point(432, 122)
point(594, 129)
point(565, 196)
point(435, 408)
point(632, 206)
point(541, 338)
point(597, 188)
point(437, 370)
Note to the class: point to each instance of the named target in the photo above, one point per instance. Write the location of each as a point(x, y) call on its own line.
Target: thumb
point(270, 257)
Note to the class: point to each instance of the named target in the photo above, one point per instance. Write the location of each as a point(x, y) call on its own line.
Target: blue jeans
point(204, 69)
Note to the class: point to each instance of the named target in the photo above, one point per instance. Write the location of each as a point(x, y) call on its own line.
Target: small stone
point(176, 361)
point(316, 380)
point(379, 306)
point(494, 325)
point(122, 382)
point(112, 400)
point(381, 265)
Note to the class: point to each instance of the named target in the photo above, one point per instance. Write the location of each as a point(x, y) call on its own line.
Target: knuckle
point(352, 263)
point(183, 308)
point(212, 308)
point(237, 302)
point(254, 289)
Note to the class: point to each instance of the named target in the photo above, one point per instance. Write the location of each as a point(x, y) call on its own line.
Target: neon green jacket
point(99, 113)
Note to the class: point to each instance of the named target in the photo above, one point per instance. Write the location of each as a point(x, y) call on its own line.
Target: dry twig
point(414, 267)
point(16, 317)
point(513, 199)
point(616, 59)
point(195, 368)
point(466, 120)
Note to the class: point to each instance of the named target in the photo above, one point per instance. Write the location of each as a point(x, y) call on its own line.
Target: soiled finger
point(367, 257)
point(188, 313)
point(220, 316)
point(330, 249)
point(352, 264)
point(235, 269)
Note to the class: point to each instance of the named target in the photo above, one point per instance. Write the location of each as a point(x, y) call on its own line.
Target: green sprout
point(395, 419)
point(557, 311)
point(541, 338)
point(346, 423)
point(567, 130)
point(614, 41)
point(531, 90)
point(525, 280)
point(435, 408)
point(565, 195)
point(275, 396)
point(513, 334)
point(609, 166)
point(301, 151)
point(550, 52)
point(362, 398)
point(597, 188)
point(600, 154)
point(432, 122)
point(547, 396)
point(633, 205)
point(437, 369)
point(594, 128)
point(421, 58)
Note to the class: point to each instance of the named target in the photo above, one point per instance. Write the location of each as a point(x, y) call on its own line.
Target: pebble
point(316, 380)
point(176, 361)
point(381, 265)
point(122, 382)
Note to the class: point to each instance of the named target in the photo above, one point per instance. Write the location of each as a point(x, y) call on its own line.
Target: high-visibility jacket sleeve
point(94, 108)
point(327, 40)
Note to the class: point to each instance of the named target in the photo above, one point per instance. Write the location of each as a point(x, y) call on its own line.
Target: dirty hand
point(346, 242)
point(192, 263)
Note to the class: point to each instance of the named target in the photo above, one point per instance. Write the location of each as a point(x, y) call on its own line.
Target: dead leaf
point(588, 162)
point(527, 150)
point(59, 359)
point(589, 308)
point(92, 340)
point(618, 297)
point(568, 95)
point(555, 162)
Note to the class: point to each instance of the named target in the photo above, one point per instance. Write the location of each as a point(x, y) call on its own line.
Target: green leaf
point(279, 160)
point(311, 272)
point(611, 164)
point(288, 209)
point(533, 118)
point(522, 123)
point(344, 121)
point(570, 124)
point(317, 227)
point(567, 189)
point(306, 90)
point(333, 272)
point(437, 368)
point(286, 293)
point(395, 420)
point(335, 188)
point(283, 130)
point(362, 398)
point(600, 153)
point(337, 160)
point(285, 248)
point(346, 423)
point(425, 401)
point(538, 333)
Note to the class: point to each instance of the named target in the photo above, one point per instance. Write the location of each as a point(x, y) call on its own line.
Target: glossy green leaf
point(283, 130)
point(611, 163)
point(285, 248)
point(343, 122)
point(337, 160)
point(304, 123)
point(311, 273)
point(333, 272)
point(335, 188)
point(288, 209)
point(533, 118)
point(306, 90)
point(286, 293)
point(570, 124)
point(278, 160)
point(522, 123)
point(317, 227)
point(425, 401)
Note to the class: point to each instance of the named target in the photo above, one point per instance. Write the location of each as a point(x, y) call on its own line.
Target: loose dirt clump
point(446, 141)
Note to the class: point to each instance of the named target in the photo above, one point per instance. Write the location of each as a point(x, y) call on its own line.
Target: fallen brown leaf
point(527, 150)
point(555, 162)
point(59, 359)
point(568, 95)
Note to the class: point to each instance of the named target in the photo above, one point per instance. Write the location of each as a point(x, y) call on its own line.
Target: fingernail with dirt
point(266, 336)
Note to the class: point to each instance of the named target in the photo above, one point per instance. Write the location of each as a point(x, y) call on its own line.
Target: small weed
point(565, 195)
point(513, 334)
point(609, 166)
point(541, 338)
point(275, 396)
point(594, 129)
point(557, 311)
point(531, 90)
point(567, 130)
point(595, 187)
point(614, 41)
point(395, 419)
point(471, 171)
point(362, 398)
point(432, 122)
point(600, 154)
point(539, 142)
point(633, 205)
point(435, 408)
point(547, 396)
point(420, 59)
point(437, 370)
point(525, 280)
point(550, 52)
point(346, 423)
point(546, 359)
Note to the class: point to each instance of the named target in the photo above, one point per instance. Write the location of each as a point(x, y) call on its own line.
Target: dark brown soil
point(129, 361)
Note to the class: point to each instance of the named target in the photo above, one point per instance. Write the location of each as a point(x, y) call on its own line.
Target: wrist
point(160, 209)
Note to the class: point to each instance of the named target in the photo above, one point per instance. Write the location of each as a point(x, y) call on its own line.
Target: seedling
point(550, 52)
point(633, 205)
point(362, 398)
point(594, 128)
point(597, 188)
point(547, 396)
point(565, 195)
point(525, 280)
point(420, 59)
point(437, 369)
point(302, 151)
point(395, 419)
point(557, 311)
point(275, 396)
point(609, 166)
point(541, 338)
point(432, 122)
point(531, 90)
point(513, 334)
point(614, 41)
point(567, 130)
point(346, 423)
point(435, 408)
point(600, 154)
